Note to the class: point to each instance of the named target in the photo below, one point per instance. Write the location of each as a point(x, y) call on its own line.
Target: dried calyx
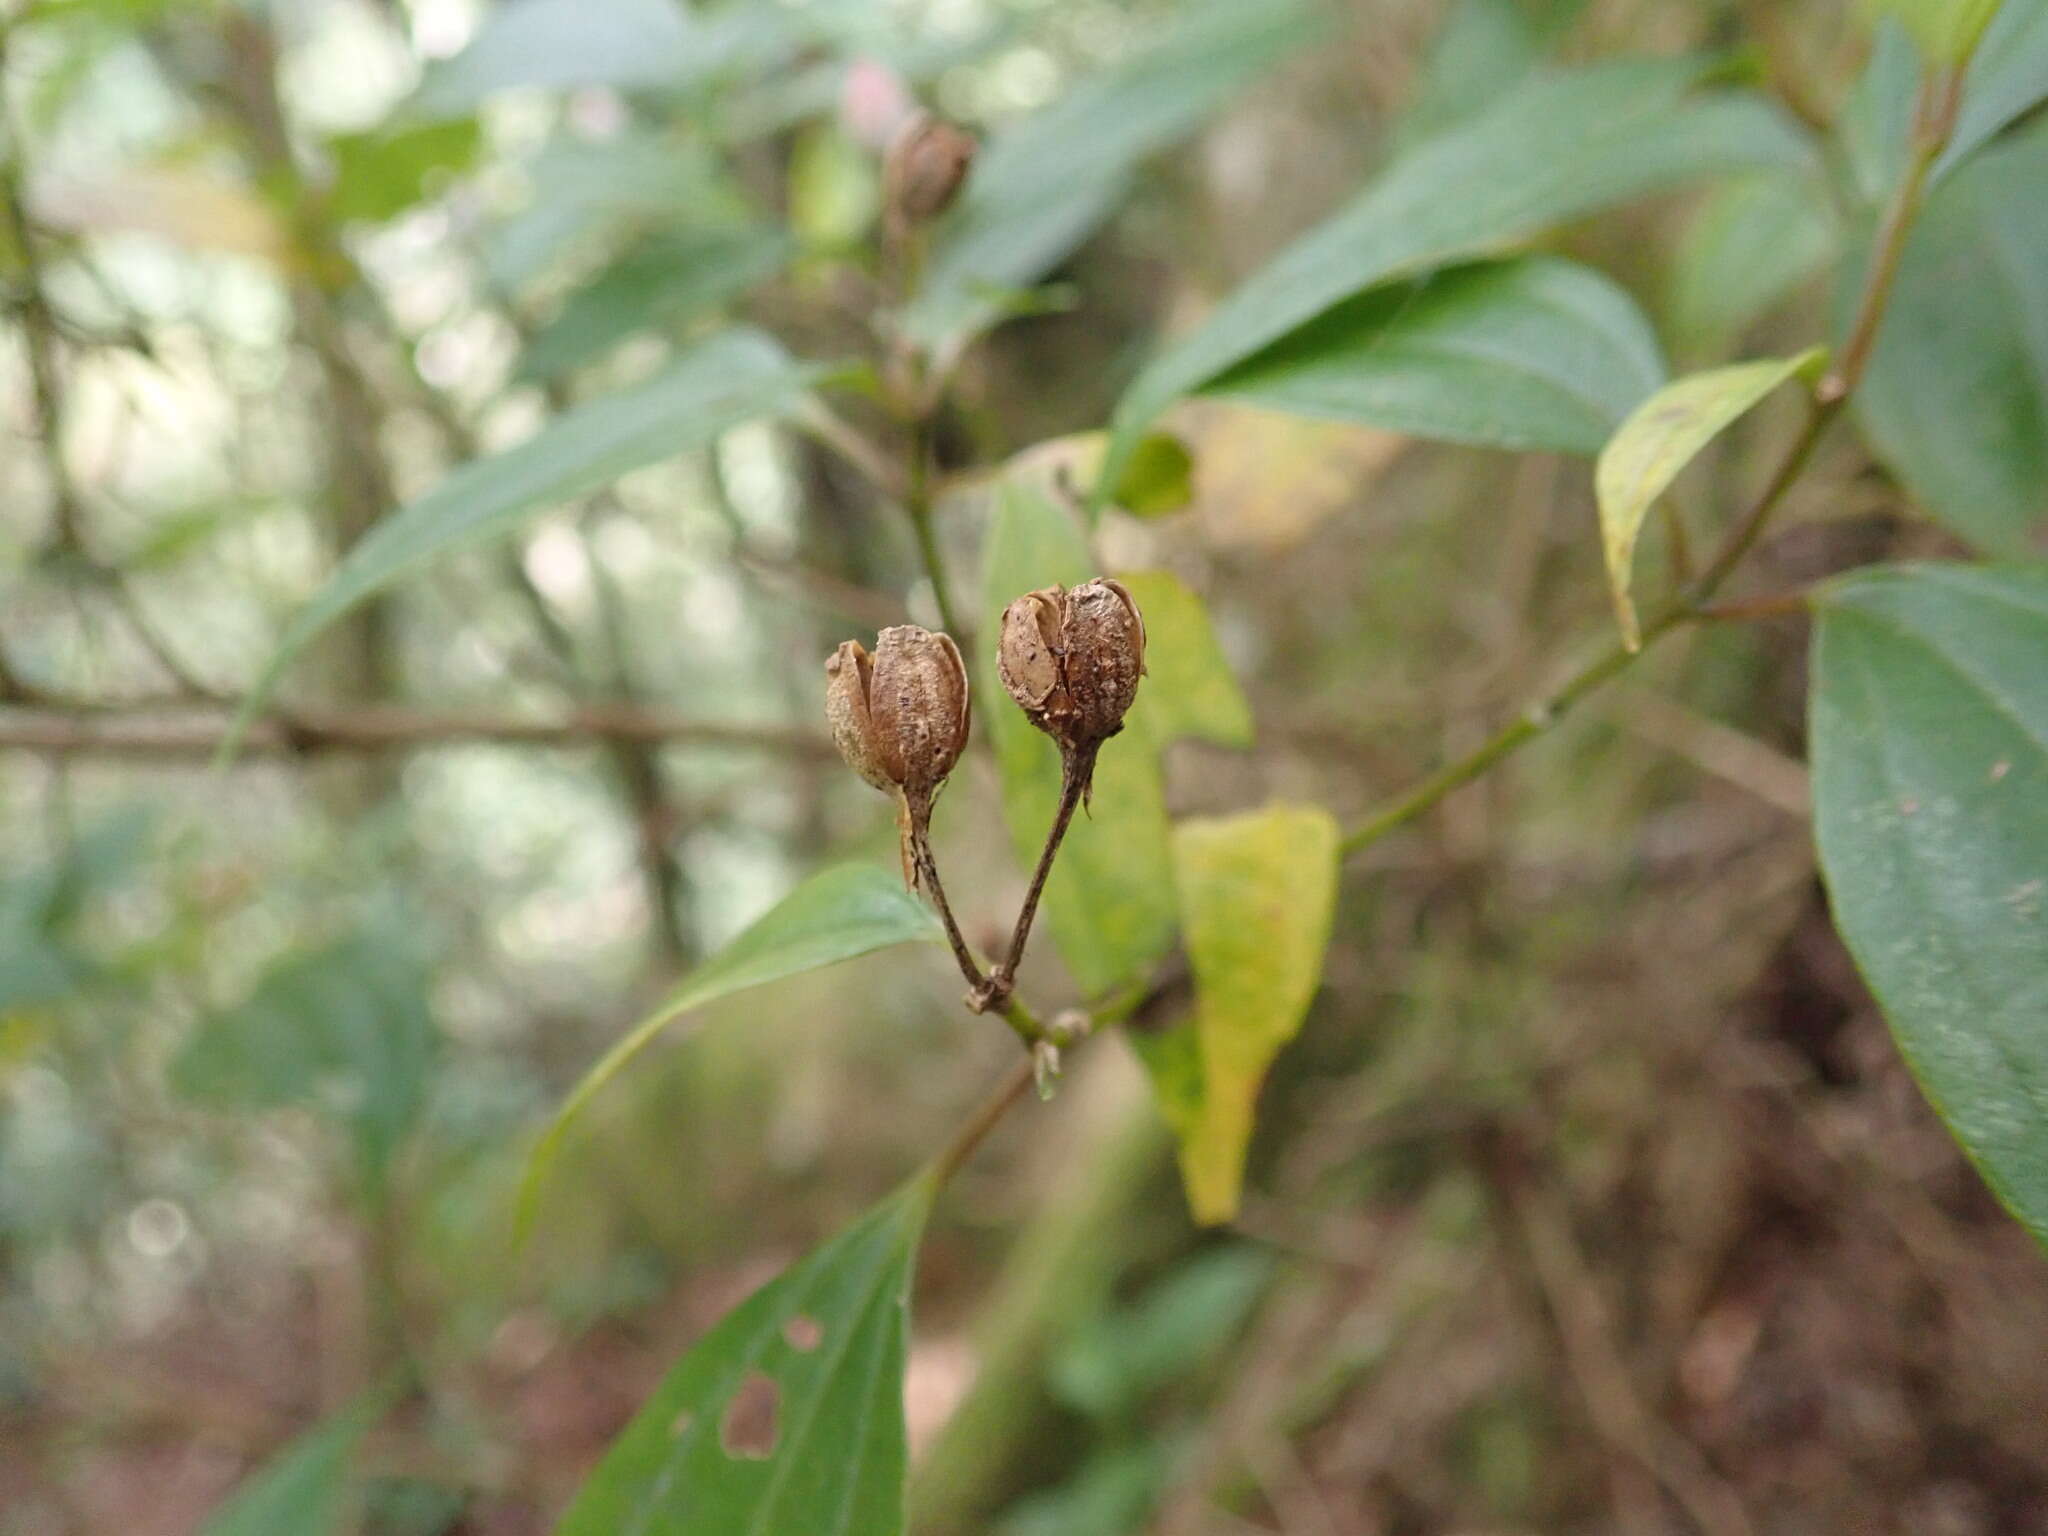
point(900, 719)
point(1072, 659)
point(926, 165)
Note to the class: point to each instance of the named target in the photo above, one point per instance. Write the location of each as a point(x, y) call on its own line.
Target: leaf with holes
point(1666, 433)
point(787, 1416)
point(1535, 353)
point(1257, 894)
point(1930, 759)
point(731, 378)
point(853, 909)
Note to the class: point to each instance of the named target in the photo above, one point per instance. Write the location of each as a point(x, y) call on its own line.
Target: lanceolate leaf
point(1110, 901)
point(734, 377)
point(846, 911)
point(1558, 147)
point(1534, 353)
point(2008, 76)
point(1257, 893)
point(1930, 754)
point(1041, 188)
point(1663, 436)
point(788, 1416)
point(1956, 399)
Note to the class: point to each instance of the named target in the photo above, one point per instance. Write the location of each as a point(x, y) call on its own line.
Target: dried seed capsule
point(919, 706)
point(900, 719)
point(923, 172)
point(1072, 659)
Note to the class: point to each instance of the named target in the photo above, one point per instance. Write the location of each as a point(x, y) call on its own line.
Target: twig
point(1934, 121)
point(975, 1129)
point(178, 730)
point(1074, 777)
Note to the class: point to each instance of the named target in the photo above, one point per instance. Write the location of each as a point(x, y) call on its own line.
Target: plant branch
point(1075, 772)
point(928, 875)
point(974, 1130)
point(1934, 121)
point(178, 730)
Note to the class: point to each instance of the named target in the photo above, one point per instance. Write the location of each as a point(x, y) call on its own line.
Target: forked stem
point(1077, 769)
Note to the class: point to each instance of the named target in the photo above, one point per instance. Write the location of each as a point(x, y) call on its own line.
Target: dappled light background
point(1593, 1196)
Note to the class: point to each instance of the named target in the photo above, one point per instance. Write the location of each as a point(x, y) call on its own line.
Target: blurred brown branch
point(184, 731)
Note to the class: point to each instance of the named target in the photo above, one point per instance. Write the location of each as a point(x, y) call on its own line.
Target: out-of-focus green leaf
point(1485, 49)
point(1257, 893)
point(849, 910)
point(1042, 187)
point(629, 44)
point(1159, 480)
point(1111, 1366)
point(378, 175)
point(1110, 902)
point(1189, 690)
point(344, 1029)
point(2007, 77)
point(1930, 759)
point(1559, 147)
point(1665, 434)
point(1113, 1494)
point(307, 1489)
point(835, 188)
point(1532, 353)
point(41, 960)
point(1752, 241)
point(786, 1417)
point(734, 377)
point(664, 282)
point(1946, 30)
point(1956, 397)
point(591, 195)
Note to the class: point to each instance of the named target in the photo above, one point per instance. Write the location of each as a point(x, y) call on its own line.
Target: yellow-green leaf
point(1256, 895)
point(1665, 433)
point(1189, 689)
point(843, 912)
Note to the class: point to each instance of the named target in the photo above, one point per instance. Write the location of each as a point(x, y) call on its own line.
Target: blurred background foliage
point(1594, 1196)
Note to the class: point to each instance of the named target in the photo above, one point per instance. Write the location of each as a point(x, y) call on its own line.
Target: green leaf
point(664, 282)
point(1189, 689)
point(1534, 353)
point(1663, 436)
point(1041, 188)
point(1159, 480)
point(1560, 147)
point(345, 1029)
point(1484, 50)
point(1109, 903)
point(1257, 893)
point(1946, 30)
point(786, 1417)
point(849, 910)
point(1753, 240)
point(2007, 77)
point(732, 378)
point(627, 44)
point(1956, 397)
point(378, 175)
point(1930, 758)
point(306, 1488)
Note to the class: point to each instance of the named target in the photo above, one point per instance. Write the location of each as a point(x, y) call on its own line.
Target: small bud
point(900, 719)
point(923, 172)
point(1072, 660)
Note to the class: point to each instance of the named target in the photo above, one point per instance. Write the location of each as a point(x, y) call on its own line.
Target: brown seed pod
point(900, 719)
point(1072, 660)
point(924, 169)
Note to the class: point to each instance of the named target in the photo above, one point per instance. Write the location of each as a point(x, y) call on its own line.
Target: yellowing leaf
point(1189, 689)
point(1666, 433)
point(1256, 897)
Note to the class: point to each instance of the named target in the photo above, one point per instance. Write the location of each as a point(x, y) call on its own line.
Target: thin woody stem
point(1076, 770)
point(928, 876)
point(974, 1130)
